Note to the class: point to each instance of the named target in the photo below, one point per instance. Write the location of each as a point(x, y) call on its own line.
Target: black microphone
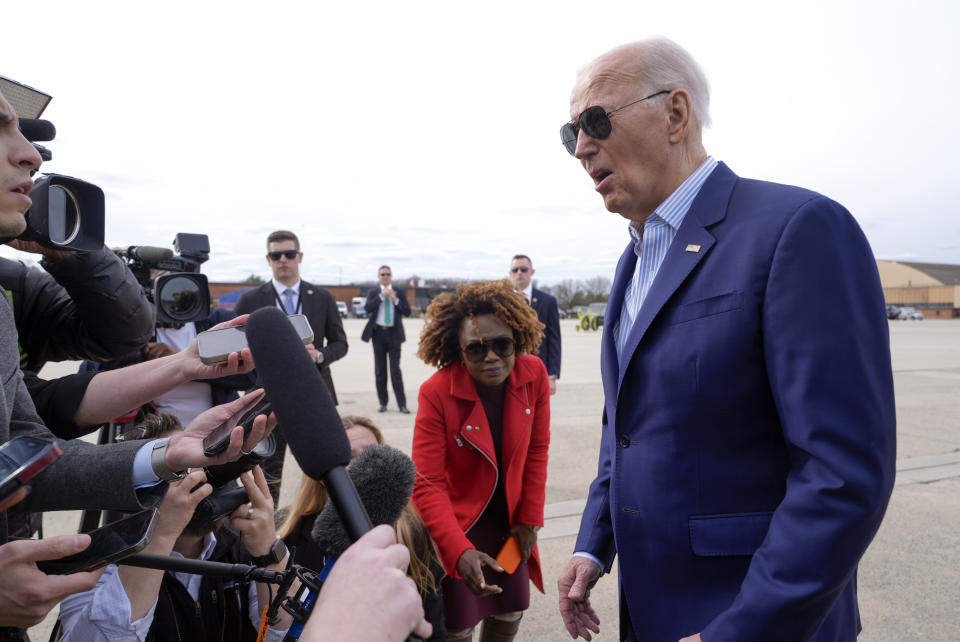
point(383, 477)
point(305, 411)
point(306, 415)
point(37, 130)
point(149, 253)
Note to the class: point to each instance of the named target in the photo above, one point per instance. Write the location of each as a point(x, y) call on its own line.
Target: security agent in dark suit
point(521, 272)
point(386, 308)
point(294, 296)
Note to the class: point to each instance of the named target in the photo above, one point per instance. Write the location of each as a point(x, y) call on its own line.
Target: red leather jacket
point(456, 461)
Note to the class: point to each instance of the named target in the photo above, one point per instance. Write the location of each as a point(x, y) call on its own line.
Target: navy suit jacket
point(748, 443)
point(549, 315)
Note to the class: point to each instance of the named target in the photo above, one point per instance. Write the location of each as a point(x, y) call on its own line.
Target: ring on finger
point(249, 512)
point(245, 452)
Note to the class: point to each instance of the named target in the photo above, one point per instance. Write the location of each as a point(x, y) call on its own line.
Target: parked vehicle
point(356, 305)
point(342, 308)
point(910, 314)
point(893, 312)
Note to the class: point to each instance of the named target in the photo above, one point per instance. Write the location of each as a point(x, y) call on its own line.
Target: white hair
point(663, 64)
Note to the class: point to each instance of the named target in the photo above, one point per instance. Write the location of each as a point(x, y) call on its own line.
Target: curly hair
point(440, 338)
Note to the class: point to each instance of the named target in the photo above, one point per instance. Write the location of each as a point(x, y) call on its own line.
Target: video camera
point(182, 294)
point(227, 494)
point(67, 213)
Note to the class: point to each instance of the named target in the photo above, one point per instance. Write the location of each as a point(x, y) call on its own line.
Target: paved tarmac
point(909, 579)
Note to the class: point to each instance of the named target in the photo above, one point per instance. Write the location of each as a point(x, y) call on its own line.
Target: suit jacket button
point(469, 428)
point(624, 441)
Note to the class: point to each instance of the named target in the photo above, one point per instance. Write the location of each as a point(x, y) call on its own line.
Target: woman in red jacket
point(480, 446)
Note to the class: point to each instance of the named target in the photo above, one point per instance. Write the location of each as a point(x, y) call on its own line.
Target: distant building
point(932, 288)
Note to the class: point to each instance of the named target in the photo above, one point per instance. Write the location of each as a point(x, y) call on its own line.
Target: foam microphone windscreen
point(384, 479)
point(37, 130)
point(300, 399)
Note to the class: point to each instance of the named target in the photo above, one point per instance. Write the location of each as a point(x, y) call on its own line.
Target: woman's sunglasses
point(595, 122)
point(477, 351)
point(289, 254)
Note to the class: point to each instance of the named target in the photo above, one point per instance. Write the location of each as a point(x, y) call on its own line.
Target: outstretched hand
point(192, 368)
point(574, 587)
point(27, 594)
point(470, 566)
point(185, 449)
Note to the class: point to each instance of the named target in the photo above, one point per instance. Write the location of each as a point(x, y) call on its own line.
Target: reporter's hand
point(255, 519)
point(470, 568)
point(527, 537)
point(35, 248)
point(26, 594)
point(178, 505)
point(574, 587)
point(372, 571)
point(185, 449)
point(192, 368)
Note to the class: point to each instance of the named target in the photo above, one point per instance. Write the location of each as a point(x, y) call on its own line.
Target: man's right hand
point(574, 588)
point(26, 594)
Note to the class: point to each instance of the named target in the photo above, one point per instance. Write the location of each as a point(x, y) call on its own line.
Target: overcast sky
point(425, 134)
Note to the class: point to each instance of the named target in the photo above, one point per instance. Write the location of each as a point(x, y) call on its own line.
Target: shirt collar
point(528, 292)
point(210, 543)
point(673, 210)
point(280, 287)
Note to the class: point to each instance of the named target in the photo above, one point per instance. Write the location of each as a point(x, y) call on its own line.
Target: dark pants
point(385, 342)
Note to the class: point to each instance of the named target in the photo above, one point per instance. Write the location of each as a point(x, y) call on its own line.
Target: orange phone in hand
point(509, 556)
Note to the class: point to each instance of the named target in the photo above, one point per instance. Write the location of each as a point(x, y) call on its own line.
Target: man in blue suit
point(748, 440)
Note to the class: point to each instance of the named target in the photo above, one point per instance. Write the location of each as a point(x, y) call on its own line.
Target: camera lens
point(64, 215)
point(180, 298)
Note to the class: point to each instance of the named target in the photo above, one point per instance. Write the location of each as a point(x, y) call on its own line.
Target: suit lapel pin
point(693, 247)
point(311, 291)
point(534, 300)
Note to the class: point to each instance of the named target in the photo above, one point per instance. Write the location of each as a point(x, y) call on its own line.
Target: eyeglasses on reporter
point(477, 351)
point(520, 268)
point(595, 122)
point(289, 254)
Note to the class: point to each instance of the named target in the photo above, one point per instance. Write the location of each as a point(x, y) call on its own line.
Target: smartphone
point(509, 556)
point(216, 345)
point(21, 459)
point(219, 438)
point(108, 544)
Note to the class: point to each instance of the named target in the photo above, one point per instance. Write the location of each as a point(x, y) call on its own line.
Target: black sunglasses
point(477, 351)
point(519, 269)
point(290, 254)
point(595, 122)
point(384, 274)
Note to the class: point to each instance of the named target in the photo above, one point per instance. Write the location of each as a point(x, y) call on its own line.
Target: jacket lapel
point(608, 347)
point(462, 387)
point(709, 207)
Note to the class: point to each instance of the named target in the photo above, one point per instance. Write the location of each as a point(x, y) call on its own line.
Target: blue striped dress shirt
point(651, 240)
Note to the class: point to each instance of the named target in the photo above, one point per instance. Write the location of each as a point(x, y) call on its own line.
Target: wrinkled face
point(284, 269)
point(17, 158)
point(493, 369)
point(360, 438)
point(521, 271)
point(385, 275)
point(629, 168)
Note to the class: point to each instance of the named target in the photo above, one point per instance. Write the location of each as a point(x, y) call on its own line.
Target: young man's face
point(521, 271)
point(386, 276)
point(17, 158)
point(285, 269)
